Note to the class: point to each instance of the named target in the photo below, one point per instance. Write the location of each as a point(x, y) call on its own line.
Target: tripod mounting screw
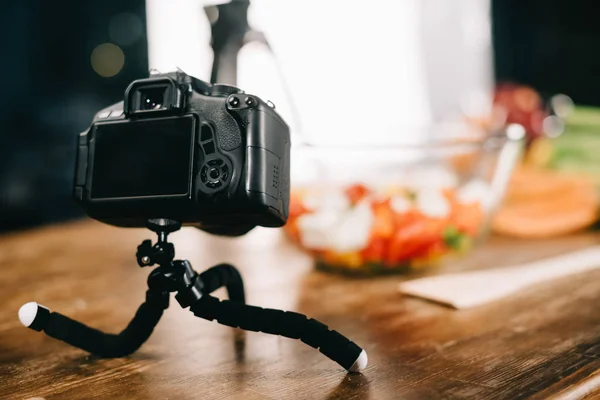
point(163, 225)
point(145, 260)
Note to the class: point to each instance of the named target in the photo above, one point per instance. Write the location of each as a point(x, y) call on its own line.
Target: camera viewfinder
point(152, 98)
point(147, 96)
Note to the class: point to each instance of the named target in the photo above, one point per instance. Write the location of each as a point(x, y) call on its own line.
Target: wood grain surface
point(541, 343)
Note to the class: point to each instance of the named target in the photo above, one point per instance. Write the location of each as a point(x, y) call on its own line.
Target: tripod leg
point(285, 323)
point(58, 326)
point(224, 275)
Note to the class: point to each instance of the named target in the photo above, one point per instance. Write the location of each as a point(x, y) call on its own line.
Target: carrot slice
point(574, 209)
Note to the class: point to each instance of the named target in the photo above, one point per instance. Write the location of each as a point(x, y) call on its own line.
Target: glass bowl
point(386, 208)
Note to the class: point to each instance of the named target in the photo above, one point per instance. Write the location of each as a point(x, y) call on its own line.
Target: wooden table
point(541, 343)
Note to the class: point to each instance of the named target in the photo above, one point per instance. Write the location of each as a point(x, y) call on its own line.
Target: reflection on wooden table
point(541, 342)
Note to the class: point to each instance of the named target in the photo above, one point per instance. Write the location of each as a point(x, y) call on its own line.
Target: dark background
point(50, 91)
point(49, 94)
point(550, 45)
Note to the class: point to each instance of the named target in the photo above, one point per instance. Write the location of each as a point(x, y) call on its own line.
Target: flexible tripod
point(193, 291)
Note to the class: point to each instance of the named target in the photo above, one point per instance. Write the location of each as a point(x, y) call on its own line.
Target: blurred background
point(450, 85)
point(60, 66)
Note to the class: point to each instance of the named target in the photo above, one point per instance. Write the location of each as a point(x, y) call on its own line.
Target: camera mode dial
point(222, 90)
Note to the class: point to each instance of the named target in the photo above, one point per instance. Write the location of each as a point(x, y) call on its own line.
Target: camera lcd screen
point(142, 158)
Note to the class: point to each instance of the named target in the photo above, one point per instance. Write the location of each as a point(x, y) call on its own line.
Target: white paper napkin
point(470, 289)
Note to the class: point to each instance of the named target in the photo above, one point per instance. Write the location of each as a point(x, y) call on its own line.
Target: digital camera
point(206, 155)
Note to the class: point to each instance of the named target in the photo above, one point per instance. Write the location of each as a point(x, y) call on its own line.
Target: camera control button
point(213, 185)
point(224, 173)
point(214, 173)
point(224, 90)
point(233, 101)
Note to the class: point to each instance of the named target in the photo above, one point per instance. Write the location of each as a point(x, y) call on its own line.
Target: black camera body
point(179, 148)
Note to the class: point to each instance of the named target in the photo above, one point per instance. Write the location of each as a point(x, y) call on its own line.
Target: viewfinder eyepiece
point(152, 99)
point(148, 96)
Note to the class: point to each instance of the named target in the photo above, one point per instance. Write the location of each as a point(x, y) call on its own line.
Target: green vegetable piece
point(456, 239)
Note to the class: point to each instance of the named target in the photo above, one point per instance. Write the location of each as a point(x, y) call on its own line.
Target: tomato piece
point(383, 221)
point(434, 253)
point(357, 192)
point(414, 240)
point(375, 250)
point(401, 252)
point(407, 218)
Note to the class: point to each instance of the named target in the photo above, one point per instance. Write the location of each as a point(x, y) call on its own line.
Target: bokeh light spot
point(107, 60)
point(562, 105)
point(553, 126)
point(515, 132)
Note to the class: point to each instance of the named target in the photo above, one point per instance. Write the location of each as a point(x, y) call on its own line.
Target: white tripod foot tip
point(27, 313)
point(360, 363)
